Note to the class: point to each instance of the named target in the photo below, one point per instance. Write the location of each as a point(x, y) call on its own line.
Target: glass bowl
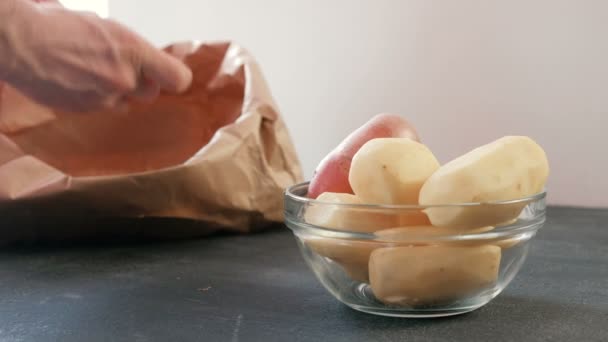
point(389, 260)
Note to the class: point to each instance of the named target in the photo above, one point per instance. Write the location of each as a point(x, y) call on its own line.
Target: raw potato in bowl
point(341, 218)
point(351, 255)
point(331, 175)
point(426, 235)
point(365, 221)
point(507, 169)
point(430, 275)
point(410, 237)
point(391, 170)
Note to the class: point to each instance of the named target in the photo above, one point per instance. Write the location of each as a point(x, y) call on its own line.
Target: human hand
point(77, 61)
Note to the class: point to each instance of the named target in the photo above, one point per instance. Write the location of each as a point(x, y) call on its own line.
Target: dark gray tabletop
point(257, 288)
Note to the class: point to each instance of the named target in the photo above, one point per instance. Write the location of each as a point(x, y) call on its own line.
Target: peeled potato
point(352, 255)
point(331, 175)
point(508, 168)
point(413, 218)
point(427, 275)
point(391, 170)
point(426, 235)
point(507, 243)
point(337, 217)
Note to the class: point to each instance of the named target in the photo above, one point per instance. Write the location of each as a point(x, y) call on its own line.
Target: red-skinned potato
point(331, 175)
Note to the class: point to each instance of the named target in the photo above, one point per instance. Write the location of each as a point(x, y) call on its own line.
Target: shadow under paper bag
point(219, 153)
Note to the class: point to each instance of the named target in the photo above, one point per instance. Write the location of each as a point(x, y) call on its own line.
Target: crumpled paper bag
point(219, 153)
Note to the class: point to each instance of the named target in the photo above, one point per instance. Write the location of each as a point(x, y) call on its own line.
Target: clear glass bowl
point(370, 257)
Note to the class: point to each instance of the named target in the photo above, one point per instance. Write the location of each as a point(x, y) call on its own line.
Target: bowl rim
point(497, 232)
point(289, 193)
point(312, 231)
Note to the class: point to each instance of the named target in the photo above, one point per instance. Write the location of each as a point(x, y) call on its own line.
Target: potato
point(428, 275)
point(336, 217)
point(425, 235)
point(412, 218)
point(391, 170)
point(508, 168)
point(417, 235)
point(331, 175)
point(507, 243)
point(351, 255)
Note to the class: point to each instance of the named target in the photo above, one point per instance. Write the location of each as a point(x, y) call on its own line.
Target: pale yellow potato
point(508, 168)
point(340, 218)
point(427, 235)
point(391, 170)
point(507, 243)
point(427, 275)
point(352, 255)
point(510, 242)
point(413, 218)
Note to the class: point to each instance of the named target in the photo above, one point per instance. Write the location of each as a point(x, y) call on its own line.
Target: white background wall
point(98, 6)
point(537, 68)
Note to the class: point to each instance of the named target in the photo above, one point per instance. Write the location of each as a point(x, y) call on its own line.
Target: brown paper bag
point(219, 154)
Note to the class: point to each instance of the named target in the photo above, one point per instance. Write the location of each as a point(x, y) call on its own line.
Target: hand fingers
point(121, 107)
point(146, 90)
point(168, 72)
point(180, 50)
point(156, 65)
